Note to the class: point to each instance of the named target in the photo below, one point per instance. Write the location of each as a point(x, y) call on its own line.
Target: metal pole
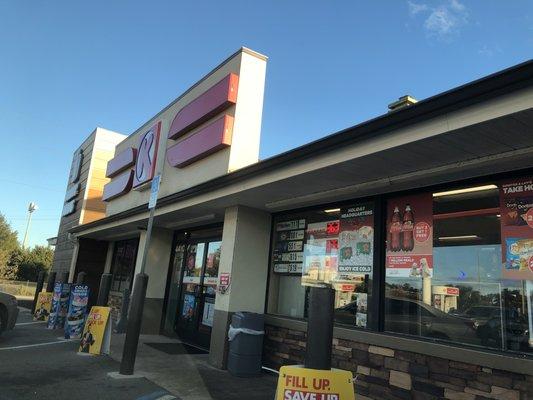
point(63, 277)
point(80, 280)
point(320, 328)
point(51, 282)
point(133, 329)
point(24, 242)
point(103, 291)
point(38, 289)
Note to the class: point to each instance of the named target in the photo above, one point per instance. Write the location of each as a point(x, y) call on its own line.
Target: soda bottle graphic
point(408, 241)
point(395, 230)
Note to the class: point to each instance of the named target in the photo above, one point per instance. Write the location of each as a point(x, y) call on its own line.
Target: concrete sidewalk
point(189, 376)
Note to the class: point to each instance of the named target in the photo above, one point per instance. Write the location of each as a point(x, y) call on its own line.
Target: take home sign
point(134, 167)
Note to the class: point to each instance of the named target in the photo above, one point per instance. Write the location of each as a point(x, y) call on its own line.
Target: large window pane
point(463, 284)
point(325, 247)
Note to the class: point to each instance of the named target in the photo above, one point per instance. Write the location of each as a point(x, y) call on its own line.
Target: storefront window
point(328, 247)
point(459, 265)
point(123, 264)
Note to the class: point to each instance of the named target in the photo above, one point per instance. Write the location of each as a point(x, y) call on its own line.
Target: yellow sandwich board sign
point(298, 383)
point(96, 338)
point(42, 308)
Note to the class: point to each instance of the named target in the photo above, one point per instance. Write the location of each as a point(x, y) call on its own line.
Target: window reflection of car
point(416, 318)
point(479, 315)
point(516, 332)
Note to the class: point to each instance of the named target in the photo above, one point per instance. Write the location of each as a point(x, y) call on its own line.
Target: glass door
point(191, 292)
point(209, 287)
point(174, 288)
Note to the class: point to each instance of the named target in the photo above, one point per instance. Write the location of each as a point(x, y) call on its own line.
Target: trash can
point(245, 336)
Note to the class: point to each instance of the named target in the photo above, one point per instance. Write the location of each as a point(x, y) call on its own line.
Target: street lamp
point(31, 208)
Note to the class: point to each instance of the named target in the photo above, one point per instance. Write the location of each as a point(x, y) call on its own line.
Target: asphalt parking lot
point(37, 363)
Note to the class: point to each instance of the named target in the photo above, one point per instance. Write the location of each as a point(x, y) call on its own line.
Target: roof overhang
point(478, 129)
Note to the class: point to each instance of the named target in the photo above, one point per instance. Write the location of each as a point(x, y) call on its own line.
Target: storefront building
point(421, 220)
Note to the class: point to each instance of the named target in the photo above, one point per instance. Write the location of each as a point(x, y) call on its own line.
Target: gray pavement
point(190, 376)
point(36, 363)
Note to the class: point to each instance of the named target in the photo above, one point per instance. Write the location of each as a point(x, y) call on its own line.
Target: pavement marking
point(167, 397)
point(33, 345)
point(30, 323)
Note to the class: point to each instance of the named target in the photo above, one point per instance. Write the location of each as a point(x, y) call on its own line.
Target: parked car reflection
point(414, 317)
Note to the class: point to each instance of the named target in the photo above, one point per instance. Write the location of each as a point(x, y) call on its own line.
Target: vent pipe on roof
point(402, 102)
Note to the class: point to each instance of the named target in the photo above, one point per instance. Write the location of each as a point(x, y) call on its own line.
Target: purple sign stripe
point(120, 185)
point(120, 162)
point(215, 100)
point(206, 141)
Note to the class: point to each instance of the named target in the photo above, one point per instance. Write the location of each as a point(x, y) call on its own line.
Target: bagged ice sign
point(356, 240)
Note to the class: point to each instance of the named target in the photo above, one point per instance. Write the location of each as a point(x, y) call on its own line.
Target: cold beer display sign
point(410, 236)
point(297, 383)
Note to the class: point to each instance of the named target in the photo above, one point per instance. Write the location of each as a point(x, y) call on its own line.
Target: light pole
point(31, 208)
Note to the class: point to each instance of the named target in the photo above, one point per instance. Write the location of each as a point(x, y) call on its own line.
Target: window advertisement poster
point(209, 312)
point(410, 236)
point(288, 251)
point(189, 304)
point(77, 309)
point(44, 304)
point(319, 266)
point(96, 338)
point(356, 239)
point(516, 208)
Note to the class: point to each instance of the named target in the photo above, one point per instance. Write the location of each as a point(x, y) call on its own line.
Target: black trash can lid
point(248, 320)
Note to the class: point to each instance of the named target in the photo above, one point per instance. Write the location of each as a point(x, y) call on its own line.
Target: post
point(320, 328)
point(133, 329)
point(80, 279)
point(103, 291)
point(38, 289)
point(31, 208)
point(51, 281)
point(63, 277)
point(123, 319)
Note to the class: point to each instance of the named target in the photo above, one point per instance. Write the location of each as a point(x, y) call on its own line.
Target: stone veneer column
point(245, 250)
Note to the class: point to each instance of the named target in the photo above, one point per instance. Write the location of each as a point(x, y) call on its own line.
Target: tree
point(8, 244)
point(34, 261)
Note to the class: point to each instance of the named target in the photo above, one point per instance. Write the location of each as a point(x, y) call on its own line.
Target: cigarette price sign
point(298, 383)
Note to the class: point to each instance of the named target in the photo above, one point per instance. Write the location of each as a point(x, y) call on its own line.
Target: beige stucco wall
point(251, 68)
point(245, 251)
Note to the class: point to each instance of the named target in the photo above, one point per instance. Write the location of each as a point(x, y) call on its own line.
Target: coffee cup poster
point(516, 207)
point(410, 236)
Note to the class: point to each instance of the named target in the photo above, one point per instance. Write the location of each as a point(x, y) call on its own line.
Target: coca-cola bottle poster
point(410, 236)
point(516, 210)
point(356, 239)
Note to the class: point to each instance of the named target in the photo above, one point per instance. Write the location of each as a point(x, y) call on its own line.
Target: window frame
point(376, 323)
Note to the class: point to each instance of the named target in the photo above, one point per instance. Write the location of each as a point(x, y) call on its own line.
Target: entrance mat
point(176, 348)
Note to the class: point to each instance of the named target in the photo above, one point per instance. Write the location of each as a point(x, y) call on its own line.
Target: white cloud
point(443, 21)
point(416, 8)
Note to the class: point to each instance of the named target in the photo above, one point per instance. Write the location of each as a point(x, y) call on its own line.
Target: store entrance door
point(196, 305)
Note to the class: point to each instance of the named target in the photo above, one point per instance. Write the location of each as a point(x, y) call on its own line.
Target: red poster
point(516, 207)
point(410, 236)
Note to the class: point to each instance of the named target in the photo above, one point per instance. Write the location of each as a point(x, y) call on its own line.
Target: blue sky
point(69, 66)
